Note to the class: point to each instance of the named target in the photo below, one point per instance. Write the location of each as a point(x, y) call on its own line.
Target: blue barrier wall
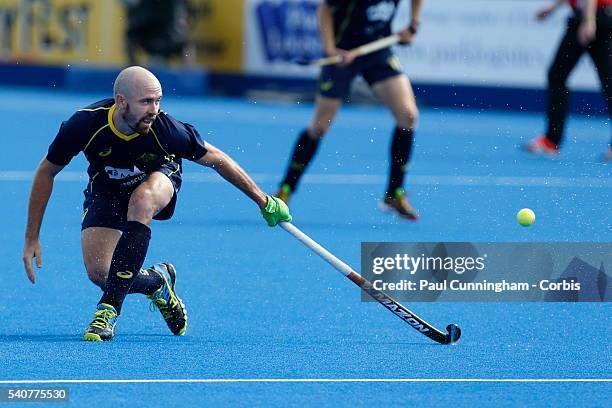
point(199, 82)
point(90, 79)
point(457, 96)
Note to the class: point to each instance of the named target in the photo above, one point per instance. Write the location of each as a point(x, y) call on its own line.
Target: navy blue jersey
point(120, 160)
point(358, 22)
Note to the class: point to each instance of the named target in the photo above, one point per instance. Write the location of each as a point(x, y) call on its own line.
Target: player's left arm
point(273, 209)
point(407, 34)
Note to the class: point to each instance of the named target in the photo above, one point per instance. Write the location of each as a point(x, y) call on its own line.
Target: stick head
point(320, 62)
point(454, 332)
point(303, 61)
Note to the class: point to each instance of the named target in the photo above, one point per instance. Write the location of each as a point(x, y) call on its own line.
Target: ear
point(120, 101)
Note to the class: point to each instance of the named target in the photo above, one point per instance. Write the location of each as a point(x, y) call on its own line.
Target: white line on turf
point(317, 380)
point(364, 179)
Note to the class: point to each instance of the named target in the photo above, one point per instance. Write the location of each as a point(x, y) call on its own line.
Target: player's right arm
point(588, 26)
point(69, 141)
point(547, 10)
point(328, 35)
point(39, 197)
point(326, 29)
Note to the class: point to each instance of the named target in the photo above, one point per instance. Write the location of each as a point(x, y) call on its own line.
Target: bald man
point(135, 154)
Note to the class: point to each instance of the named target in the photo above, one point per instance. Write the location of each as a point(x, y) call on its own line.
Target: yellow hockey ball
point(525, 217)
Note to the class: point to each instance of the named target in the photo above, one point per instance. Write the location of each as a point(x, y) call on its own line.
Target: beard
point(138, 125)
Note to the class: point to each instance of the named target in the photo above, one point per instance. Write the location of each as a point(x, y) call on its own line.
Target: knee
point(318, 129)
point(97, 276)
point(142, 205)
point(408, 118)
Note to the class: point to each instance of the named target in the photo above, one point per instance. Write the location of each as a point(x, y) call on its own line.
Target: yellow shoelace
point(162, 305)
point(102, 317)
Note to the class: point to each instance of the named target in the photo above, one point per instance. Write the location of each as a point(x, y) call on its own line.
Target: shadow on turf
point(385, 220)
point(38, 338)
point(70, 338)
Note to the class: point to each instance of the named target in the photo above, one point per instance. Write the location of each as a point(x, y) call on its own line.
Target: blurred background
point(471, 54)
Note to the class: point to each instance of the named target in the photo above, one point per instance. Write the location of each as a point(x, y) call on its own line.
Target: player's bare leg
point(98, 245)
point(308, 143)
point(396, 93)
point(148, 199)
point(325, 112)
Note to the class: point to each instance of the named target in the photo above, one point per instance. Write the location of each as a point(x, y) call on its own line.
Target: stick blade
point(303, 61)
point(454, 333)
point(320, 62)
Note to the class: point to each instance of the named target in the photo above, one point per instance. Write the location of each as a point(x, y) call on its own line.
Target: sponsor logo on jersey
point(381, 11)
point(120, 174)
point(147, 157)
point(327, 85)
point(106, 152)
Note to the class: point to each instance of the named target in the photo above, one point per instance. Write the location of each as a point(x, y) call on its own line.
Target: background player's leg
point(565, 60)
point(601, 52)
point(308, 142)
point(397, 94)
point(325, 111)
point(146, 201)
point(98, 244)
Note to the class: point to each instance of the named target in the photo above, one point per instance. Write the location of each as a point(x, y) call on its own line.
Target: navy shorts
point(108, 208)
point(335, 80)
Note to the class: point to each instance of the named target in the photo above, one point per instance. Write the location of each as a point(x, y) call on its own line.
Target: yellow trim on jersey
point(178, 168)
point(116, 131)
point(344, 24)
point(160, 145)
point(91, 183)
point(94, 135)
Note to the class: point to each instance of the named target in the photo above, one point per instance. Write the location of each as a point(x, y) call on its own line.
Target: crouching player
point(134, 152)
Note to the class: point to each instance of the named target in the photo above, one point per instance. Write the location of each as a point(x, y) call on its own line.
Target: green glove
point(276, 210)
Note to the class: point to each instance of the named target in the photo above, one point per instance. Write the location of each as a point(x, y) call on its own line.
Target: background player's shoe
point(541, 146)
point(607, 156)
point(399, 205)
point(102, 328)
point(284, 193)
point(165, 299)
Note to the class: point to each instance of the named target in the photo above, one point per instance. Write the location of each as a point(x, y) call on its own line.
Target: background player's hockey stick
point(454, 332)
point(359, 51)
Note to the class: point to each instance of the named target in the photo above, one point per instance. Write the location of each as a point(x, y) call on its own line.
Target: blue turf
point(262, 306)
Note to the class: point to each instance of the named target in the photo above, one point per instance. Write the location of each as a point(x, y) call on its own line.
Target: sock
point(303, 152)
point(128, 257)
point(401, 147)
point(146, 282)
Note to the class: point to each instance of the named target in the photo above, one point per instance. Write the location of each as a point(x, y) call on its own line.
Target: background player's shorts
point(335, 80)
point(109, 208)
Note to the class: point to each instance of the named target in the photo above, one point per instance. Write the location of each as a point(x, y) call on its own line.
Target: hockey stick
point(358, 52)
point(454, 332)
